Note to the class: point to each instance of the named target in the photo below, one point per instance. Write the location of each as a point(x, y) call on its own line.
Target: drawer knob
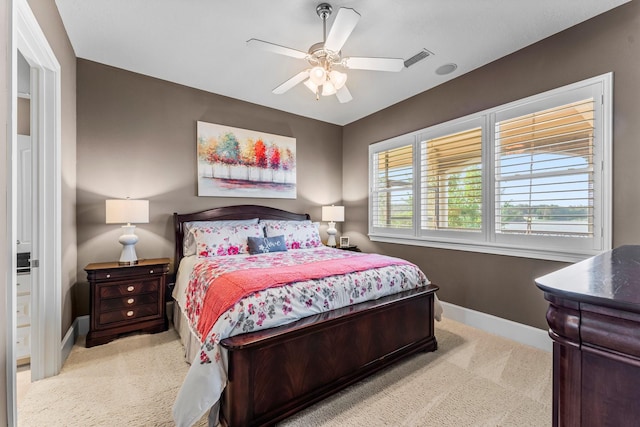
point(131, 288)
point(130, 313)
point(150, 271)
point(108, 276)
point(130, 301)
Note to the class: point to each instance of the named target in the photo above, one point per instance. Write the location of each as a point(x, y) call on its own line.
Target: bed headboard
point(225, 213)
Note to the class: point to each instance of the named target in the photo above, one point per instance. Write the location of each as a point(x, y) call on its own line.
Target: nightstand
point(126, 298)
point(353, 248)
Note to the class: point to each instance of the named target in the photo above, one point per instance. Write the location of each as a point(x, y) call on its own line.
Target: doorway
point(24, 230)
point(45, 264)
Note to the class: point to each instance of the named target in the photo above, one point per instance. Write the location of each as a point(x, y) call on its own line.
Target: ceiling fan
point(325, 58)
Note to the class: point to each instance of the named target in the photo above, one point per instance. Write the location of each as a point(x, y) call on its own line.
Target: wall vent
point(417, 58)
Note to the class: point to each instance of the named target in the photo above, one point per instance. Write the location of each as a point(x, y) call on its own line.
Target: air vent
point(417, 58)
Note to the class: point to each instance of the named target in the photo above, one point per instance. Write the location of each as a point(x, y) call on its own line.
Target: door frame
point(46, 139)
point(47, 238)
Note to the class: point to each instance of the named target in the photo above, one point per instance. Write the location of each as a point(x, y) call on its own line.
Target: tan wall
point(137, 138)
point(49, 20)
point(502, 285)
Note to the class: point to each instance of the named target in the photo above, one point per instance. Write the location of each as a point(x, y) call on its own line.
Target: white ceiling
point(202, 44)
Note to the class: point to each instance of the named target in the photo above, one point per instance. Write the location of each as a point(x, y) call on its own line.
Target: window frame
point(438, 131)
point(391, 144)
point(568, 249)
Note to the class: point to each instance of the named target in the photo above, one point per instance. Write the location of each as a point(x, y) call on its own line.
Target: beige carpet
point(474, 379)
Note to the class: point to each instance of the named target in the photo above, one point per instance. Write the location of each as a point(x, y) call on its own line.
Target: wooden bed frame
point(276, 372)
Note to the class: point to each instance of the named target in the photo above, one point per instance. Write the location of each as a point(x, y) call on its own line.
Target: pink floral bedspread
point(272, 307)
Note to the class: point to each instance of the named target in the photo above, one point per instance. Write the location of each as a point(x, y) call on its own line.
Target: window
point(529, 178)
point(451, 181)
point(393, 189)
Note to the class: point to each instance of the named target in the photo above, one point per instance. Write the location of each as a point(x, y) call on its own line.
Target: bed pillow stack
point(193, 227)
point(297, 234)
point(225, 240)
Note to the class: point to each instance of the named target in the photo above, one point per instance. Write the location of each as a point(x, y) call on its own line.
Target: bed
point(256, 368)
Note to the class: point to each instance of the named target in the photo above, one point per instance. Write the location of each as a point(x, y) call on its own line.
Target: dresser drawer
point(128, 301)
point(23, 342)
point(128, 314)
point(23, 310)
point(136, 287)
point(23, 285)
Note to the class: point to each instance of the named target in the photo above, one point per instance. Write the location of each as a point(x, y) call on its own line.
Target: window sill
point(563, 255)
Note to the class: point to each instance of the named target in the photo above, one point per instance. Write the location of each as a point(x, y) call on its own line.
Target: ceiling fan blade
point(345, 22)
point(276, 48)
point(301, 76)
point(374, 64)
point(343, 95)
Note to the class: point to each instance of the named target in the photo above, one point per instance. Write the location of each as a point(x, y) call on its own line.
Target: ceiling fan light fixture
point(318, 75)
point(328, 88)
point(338, 79)
point(322, 57)
point(311, 85)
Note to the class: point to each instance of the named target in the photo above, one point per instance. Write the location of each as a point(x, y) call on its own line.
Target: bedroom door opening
point(45, 261)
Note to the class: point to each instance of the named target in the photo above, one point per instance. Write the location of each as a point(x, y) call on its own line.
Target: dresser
point(23, 318)
point(126, 298)
point(594, 321)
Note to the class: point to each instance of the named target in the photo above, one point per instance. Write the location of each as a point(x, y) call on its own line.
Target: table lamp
point(127, 211)
point(332, 214)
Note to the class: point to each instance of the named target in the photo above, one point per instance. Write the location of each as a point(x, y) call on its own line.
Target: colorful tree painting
point(234, 162)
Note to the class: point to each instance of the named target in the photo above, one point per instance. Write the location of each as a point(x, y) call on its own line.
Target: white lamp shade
point(338, 79)
point(328, 89)
point(127, 211)
point(333, 213)
point(311, 85)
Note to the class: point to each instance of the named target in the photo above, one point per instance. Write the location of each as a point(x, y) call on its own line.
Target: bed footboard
point(276, 372)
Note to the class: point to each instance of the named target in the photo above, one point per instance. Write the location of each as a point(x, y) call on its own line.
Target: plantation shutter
point(452, 181)
point(545, 172)
point(392, 188)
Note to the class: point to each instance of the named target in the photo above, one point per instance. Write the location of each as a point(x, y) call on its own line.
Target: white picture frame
point(344, 241)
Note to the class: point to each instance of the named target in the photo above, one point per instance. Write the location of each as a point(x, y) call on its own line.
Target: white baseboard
point(80, 326)
point(523, 334)
point(83, 324)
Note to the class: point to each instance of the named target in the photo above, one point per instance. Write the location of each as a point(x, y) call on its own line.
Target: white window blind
point(392, 188)
point(529, 178)
point(544, 172)
point(451, 181)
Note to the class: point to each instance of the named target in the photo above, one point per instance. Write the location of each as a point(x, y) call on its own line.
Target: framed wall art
point(234, 162)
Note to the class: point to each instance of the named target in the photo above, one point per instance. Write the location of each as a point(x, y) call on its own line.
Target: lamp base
point(128, 240)
point(331, 231)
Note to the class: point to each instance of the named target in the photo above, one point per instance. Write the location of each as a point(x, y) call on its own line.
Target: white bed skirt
point(189, 340)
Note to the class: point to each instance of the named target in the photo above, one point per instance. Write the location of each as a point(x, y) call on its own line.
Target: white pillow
point(189, 241)
point(225, 240)
point(297, 234)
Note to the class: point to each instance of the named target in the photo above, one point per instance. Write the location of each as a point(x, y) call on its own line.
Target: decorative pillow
point(297, 234)
point(189, 241)
point(264, 245)
point(225, 240)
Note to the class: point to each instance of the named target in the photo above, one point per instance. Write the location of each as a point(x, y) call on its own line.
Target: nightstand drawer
point(127, 272)
point(130, 288)
point(128, 314)
point(128, 301)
